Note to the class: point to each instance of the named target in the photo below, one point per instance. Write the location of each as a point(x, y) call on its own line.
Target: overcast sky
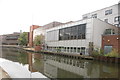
point(16, 15)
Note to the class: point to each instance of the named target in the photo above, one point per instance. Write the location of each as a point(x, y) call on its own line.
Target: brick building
point(31, 34)
point(110, 42)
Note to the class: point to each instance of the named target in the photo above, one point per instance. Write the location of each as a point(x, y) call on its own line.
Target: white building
point(41, 30)
point(77, 37)
point(109, 14)
point(81, 36)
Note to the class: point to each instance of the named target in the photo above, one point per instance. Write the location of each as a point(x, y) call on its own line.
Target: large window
point(74, 32)
point(107, 12)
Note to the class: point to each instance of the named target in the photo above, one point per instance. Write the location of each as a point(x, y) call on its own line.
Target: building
point(87, 34)
point(41, 30)
point(109, 14)
point(31, 34)
point(10, 39)
point(77, 37)
point(38, 30)
point(111, 41)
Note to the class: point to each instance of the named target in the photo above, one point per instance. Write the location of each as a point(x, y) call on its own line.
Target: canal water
point(60, 67)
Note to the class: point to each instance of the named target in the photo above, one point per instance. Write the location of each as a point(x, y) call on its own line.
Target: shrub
point(37, 40)
point(113, 53)
point(23, 39)
point(97, 52)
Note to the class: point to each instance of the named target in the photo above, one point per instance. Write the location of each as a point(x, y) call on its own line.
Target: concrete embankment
point(71, 55)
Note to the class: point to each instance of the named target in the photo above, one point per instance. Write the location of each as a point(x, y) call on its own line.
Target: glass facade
point(68, 49)
point(74, 32)
point(70, 33)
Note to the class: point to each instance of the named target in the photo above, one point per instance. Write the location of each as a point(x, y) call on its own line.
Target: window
point(65, 35)
point(78, 50)
point(64, 49)
point(71, 49)
point(69, 33)
point(60, 49)
point(94, 16)
point(107, 12)
point(109, 31)
point(74, 32)
point(67, 49)
point(83, 50)
point(74, 49)
point(61, 34)
point(106, 20)
point(116, 19)
point(81, 31)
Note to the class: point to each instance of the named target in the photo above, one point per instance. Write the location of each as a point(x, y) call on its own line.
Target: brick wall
point(111, 40)
point(31, 34)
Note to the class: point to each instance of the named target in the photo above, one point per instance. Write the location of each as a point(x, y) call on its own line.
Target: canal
point(53, 66)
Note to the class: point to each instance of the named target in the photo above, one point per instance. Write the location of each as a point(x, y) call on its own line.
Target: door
point(107, 49)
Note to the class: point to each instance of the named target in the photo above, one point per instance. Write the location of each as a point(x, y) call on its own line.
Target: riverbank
point(78, 56)
point(71, 55)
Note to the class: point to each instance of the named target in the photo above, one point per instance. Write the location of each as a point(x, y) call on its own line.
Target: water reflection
point(61, 67)
point(78, 68)
point(35, 62)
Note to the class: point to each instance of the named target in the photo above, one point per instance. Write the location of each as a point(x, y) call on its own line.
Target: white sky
point(16, 15)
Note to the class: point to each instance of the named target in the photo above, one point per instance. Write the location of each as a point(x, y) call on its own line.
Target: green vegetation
point(38, 40)
point(98, 52)
point(23, 39)
point(113, 53)
point(22, 57)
